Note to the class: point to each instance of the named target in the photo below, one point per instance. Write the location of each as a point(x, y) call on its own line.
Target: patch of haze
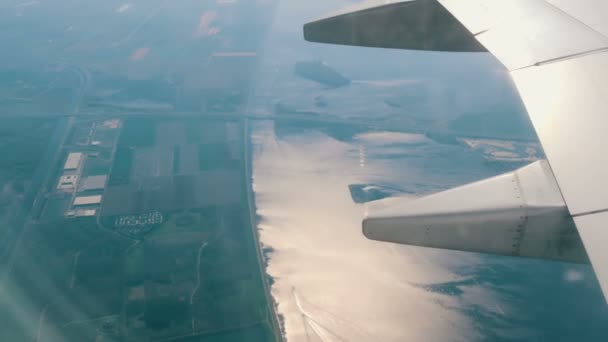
point(139, 54)
point(387, 83)
point(27, 4)
point(123, 8)
point(329, 281)
point(204, 28)
point(573, 276)
point(415, 163)
point(482, 300)
point(390, 138)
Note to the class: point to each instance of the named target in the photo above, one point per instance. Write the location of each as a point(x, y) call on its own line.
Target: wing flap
point(524, 216)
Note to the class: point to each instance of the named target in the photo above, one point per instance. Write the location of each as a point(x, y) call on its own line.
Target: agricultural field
point(172, 253)
point(23, 146)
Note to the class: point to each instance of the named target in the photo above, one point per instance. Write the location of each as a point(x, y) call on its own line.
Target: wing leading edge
point(557, 54)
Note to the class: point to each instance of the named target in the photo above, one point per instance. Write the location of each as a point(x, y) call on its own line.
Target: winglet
point(411, 25)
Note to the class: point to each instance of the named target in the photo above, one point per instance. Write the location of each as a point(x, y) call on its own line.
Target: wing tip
point(410, 25)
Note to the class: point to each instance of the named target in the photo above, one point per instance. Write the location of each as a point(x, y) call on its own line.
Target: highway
point(248, 174)
point(179, 115)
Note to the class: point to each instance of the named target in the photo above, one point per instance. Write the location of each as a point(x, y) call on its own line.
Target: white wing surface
point(559, 62)
point(557, 54)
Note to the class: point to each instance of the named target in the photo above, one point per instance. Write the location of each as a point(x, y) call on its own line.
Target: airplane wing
point(557, 54)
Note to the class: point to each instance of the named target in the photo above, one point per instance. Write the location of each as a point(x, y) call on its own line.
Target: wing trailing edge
point(521, 213)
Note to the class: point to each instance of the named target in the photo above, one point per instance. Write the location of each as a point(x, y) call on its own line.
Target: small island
point(322, 73)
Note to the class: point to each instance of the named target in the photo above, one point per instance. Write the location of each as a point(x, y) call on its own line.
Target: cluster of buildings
point(87, 192)
point(139, 220)
point(81, 192)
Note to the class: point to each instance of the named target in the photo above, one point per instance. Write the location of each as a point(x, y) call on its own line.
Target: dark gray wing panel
point(412, 25)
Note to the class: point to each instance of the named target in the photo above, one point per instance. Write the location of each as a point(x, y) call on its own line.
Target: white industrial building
point(81, 213)
point(87, 200)
point(73, 161)
point(86, 212)
point(111, 124)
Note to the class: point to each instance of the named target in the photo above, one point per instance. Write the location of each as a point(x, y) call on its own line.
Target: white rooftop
point(87, 200)
point(86, 212)
point(73, 161)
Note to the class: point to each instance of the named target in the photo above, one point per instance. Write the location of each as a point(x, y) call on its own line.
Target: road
point(247, 158)
point(182, 115)
point(198, 273)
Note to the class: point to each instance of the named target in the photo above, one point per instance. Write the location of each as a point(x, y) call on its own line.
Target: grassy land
point(46, 274)
point(123, 162)
point(96, 166)
point(55, 208)
point(195, 274)
point(172, 293)
point(22, 143)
